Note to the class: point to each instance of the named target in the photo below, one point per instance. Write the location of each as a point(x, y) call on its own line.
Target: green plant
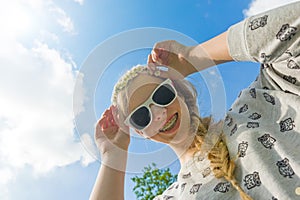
point(152, 182)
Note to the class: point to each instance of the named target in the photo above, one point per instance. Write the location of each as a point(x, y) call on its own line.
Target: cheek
point(150, 130)
point(175, 104)
point(181, 106)
point(185, 115)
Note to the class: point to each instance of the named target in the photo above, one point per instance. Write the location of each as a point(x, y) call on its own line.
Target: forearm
point(216, 49)
point(261, 38)
point(110, 181)
point(210, 53)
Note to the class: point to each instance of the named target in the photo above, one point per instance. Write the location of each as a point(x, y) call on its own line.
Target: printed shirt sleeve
point(266, 37)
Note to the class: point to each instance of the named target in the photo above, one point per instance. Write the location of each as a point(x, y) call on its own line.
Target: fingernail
point(154, 56)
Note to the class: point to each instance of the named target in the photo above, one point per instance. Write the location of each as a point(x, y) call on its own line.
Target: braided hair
point(220, 162)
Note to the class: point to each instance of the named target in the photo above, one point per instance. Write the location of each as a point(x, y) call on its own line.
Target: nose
point(158, 113)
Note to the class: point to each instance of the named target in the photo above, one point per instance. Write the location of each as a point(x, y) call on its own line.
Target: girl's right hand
point(109, 137)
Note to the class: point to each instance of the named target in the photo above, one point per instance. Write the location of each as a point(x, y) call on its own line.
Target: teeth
point(170, 124)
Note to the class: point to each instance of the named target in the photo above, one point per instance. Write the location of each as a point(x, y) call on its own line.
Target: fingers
point(115, 115)
point(151, 61)
point(119, 119)
point(160, 53)
point(110, 117)
point(154, 61)
point(106, 121)
point(108, 135)
point(163, 54)
point(152, 66)
point(166, 45)
point(156, 57)
point(105, 130)
point(159, 57)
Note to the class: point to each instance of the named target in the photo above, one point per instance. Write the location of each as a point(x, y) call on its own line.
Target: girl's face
point(169, 124)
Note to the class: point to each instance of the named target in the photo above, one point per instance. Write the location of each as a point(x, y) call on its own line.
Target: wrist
point(116, 159)
point(200, 57)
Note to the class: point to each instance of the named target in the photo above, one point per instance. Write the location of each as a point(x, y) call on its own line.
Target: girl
point(257, 154)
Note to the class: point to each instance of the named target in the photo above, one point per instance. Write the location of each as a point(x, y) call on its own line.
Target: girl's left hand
point(173, 55)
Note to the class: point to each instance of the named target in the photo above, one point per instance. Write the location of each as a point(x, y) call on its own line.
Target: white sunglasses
point(163, 95)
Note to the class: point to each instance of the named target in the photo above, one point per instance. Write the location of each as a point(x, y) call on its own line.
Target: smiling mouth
point(170, 123)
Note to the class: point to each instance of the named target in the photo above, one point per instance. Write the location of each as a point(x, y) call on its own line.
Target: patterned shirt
point(263, 124)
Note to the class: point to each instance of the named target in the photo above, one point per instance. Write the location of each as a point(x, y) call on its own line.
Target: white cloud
point(258, 6)
point(6, 175)
point(22, 16)
point(36, 98)
point(46, 36)
point(79, 95)
point(88, 143)
point(36, 4)
point(79, 1)
point(63, 19)
point(36, 109)
point(14, 19)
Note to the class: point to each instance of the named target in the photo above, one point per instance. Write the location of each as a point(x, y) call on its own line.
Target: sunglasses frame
point(150, 101)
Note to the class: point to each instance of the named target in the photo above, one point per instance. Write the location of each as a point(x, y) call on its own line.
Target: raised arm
point(187, 60)
point(110, 182)
point(266, 38)
point(113, 144)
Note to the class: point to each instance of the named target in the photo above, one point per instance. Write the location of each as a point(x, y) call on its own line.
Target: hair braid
point(220, 162)
point(202, 127)
point(223, 166)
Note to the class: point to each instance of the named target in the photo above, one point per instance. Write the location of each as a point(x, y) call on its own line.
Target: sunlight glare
point(15, 19)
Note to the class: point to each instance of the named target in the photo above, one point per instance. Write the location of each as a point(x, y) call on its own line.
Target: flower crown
point(129, 75)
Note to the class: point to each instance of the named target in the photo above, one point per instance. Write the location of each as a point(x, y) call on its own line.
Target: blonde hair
point(127, 77)
point(221, 163)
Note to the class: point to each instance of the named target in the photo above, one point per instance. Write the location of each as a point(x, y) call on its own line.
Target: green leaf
point(153, 182)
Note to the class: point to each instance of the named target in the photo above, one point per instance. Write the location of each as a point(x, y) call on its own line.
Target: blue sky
point(44, 46)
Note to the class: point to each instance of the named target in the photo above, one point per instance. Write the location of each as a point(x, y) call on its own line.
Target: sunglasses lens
point(140, 118)
point(164, 95)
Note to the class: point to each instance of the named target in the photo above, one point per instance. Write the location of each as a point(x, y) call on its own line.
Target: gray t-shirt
point(263, 125)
